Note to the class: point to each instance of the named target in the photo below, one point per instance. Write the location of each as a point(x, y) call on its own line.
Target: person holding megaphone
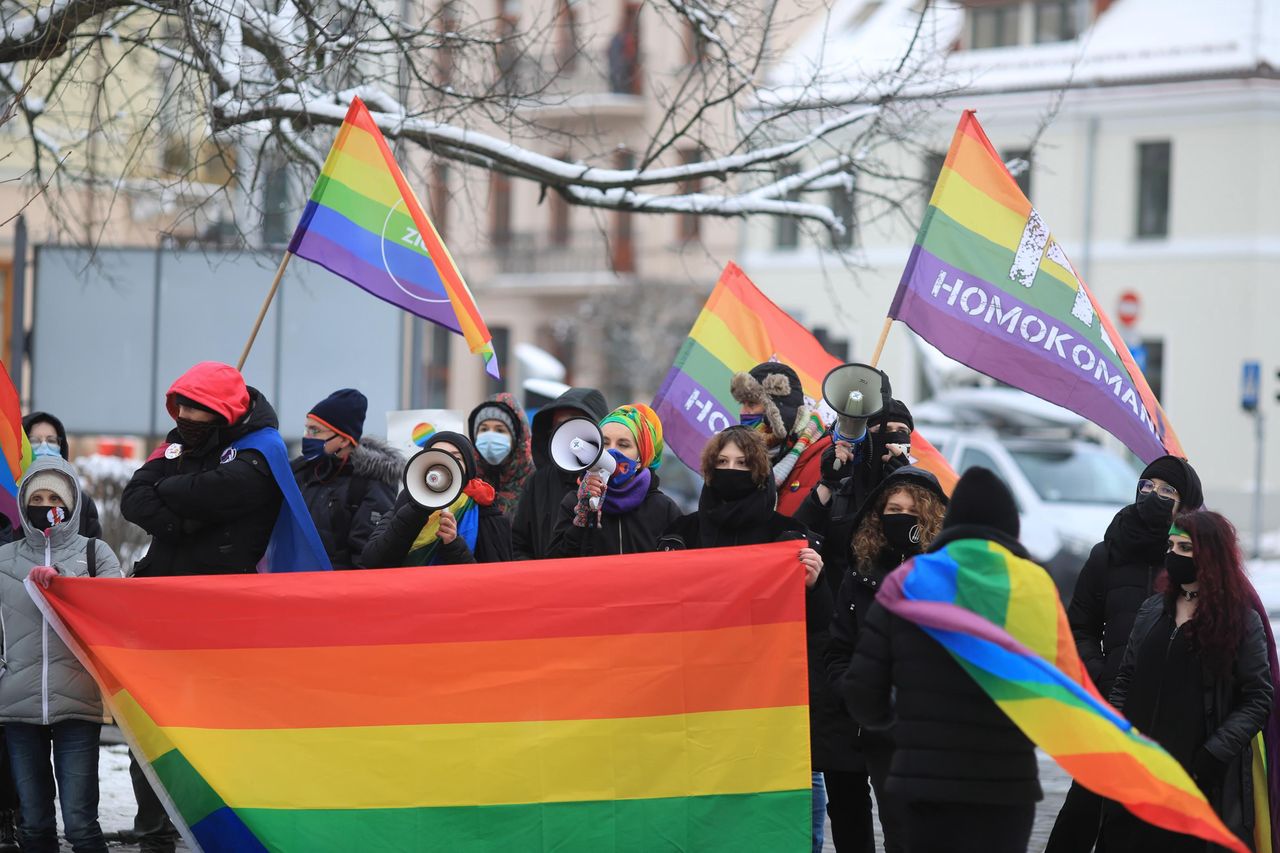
point(445, 515)
point(618, 507)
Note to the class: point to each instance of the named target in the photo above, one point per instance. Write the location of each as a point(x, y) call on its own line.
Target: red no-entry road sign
point(1127, 311)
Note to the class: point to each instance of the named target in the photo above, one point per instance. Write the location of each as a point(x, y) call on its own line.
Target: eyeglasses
point(1165, 491)
point(317, 432)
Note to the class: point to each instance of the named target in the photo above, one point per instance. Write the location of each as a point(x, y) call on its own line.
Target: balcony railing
point(528, 253)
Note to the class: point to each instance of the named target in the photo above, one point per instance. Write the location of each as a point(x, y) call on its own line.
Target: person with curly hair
point(1197, 678)
point(899, 520)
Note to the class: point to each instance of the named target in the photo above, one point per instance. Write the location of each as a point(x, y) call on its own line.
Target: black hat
point(775, 386)
point(896, 411)
point(343, 412)
point(982, 499)
point(1179, 474)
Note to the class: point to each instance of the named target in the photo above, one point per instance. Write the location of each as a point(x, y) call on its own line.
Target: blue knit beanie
point(343, 412)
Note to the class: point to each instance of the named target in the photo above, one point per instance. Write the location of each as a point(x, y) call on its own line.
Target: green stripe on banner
point(1006, 690)
point(708, 371)
point(187, 788)
point(775, 822)
point(955, 244)
point(365, 212)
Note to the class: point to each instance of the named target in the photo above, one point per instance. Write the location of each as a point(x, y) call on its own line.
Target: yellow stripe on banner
point(983, 215)
point(151, 739)
point(710, 331)
point(371, 180)
point(726, 752)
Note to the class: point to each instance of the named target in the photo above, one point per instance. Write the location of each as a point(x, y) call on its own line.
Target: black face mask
point(882, 438)
point(39, 516)
point(902, 532)
point(195, 433)
point(1154, 510)
point(1181, 568)
point(731, 485)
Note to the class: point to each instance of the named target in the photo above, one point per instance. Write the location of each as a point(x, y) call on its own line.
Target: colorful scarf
point(476, 493)
point(510, 478)
point(1000, 617)
point(620, 500)
point(813, 430)
point(647, 429)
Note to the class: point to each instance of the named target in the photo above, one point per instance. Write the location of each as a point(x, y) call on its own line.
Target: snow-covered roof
point(854, 54)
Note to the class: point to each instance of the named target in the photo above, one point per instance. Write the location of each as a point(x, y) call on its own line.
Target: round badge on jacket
point(173, 451)
point(228, 455)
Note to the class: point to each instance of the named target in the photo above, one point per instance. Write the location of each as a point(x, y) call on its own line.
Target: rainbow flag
point(619, 703)
point(17, 449)
point(1000, 617)
point(364, 223)
point(738, 328)
point(988, 285)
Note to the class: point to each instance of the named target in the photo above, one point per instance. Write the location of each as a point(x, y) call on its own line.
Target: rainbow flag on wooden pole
point(618, 703)
point(364, 223)
point(17, 449)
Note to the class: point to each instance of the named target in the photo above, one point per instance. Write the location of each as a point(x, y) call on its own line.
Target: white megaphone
point(857, 393)
point(577, 446)
point(433, 479)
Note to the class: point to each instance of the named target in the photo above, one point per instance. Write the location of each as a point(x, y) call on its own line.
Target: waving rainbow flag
point(1000, 617)
point(619, 703)
point(364, 223)
point(17, 449)
point(988, 285)
point(738, 328)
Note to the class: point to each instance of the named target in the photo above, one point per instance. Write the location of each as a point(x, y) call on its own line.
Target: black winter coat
point(538, 512)
point(1235, 708)
point(635, 532)
point(951, 743)
point(347, 501)
point(90, 527)
point(1117, 578)
point(389, 545)
point(206, 516)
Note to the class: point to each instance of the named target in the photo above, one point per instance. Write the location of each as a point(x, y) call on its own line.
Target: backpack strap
point(91, 557)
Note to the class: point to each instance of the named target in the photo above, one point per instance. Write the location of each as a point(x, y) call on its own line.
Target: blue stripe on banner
point(385, 255)
point(223, 830)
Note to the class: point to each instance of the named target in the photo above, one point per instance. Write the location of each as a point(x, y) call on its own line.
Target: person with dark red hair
point(1197, 677)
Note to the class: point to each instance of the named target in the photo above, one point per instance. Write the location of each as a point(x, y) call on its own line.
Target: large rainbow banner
point(1000, 617)
point(738, 328)
point(988, 285)
point(364, 223)
point(620, 703)
point(14, 444)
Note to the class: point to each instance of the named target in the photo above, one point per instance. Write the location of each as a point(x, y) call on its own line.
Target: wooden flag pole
point(266, 304)
point(884, 336)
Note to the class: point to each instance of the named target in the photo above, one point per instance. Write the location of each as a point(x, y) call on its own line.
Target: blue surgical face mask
point(751, 420)
point(625, 469)
point(313, 448)
point(493, 446)
point(46, 448)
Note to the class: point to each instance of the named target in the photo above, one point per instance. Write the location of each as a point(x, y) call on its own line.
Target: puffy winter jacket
point(43, 683)
point(347, 501)
point(539, 508)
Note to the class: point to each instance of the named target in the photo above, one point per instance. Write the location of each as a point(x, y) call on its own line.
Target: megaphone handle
point(835, 466)
point(595, 504)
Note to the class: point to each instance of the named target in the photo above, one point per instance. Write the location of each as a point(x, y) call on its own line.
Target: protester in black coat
point(1119, 575)
point(966, 774)
point(1196, 678)
point(633, 512)
point(402, 537)
point(539, 509)
point(899, 519)
point(210, 510)
point(833, 504)
point(37, 425)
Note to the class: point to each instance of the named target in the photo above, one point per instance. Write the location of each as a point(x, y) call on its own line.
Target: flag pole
point(266, 304)
point(884, 335)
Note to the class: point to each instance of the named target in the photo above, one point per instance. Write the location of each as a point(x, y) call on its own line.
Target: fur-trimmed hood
point(377, 460)
point(748, 390)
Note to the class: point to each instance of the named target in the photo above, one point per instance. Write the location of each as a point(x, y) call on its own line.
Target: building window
point(689, 226)
point(625, 72)
point(994, 26)
point(695, 44)
point(440, 197)
point(1056, 20)
point(1018, 161)
point(444, 58)
point(276, 215)
point(499, 209)
point(841, 202)
point(558, 209)
point(933, 163)
point(1148, 354)
point(786, 229)
point(623, 249)
point(1153, 189)
point(566, 37)
point(437, 366)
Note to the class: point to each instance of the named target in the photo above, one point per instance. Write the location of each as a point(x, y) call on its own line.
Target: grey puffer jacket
point(43, 683)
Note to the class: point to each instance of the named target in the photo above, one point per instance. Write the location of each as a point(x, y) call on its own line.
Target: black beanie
point(1177, 473)
point(343, 412)
point(896, 411)
point(981, 498)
